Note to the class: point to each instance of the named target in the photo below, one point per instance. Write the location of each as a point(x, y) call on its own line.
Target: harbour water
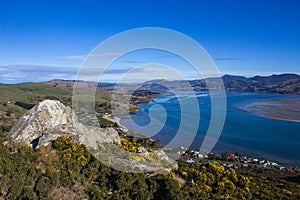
point(244, 132)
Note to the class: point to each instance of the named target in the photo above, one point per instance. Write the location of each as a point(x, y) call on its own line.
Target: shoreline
point(258, 108)
point(115, 120)
point(132, 133)
point(124, 129)
point(260, 158)
point(278, 109)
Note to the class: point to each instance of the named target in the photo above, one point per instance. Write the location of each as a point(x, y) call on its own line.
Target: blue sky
point(40, 40)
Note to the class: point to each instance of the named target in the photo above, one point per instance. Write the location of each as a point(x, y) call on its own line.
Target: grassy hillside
point(16, 99)
point(32, 93)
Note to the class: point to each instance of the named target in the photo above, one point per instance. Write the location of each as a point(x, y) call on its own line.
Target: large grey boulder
point(50, 119)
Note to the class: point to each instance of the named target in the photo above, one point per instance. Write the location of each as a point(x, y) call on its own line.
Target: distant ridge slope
point(283, 83)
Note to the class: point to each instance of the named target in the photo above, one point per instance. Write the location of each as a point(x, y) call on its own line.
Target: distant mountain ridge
point(283, 84)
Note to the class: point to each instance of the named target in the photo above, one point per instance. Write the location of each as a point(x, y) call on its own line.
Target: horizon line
point(115, 82)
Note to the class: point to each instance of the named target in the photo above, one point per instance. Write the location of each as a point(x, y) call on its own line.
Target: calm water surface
point(243, 132)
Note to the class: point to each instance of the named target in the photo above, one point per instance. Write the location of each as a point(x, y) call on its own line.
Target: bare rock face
point(50, 119)
point(164, 156)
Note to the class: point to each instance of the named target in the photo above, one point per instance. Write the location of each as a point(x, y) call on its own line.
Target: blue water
point(243, 132)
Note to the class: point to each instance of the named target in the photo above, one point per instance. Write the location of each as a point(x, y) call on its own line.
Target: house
point(184, 159)
point(262, 161)
point(229, 165)
point(239, 165)
point(183, 148)
point(259, 166)
point(281, 168)
point(297, 169)
point(274, 164)
point(190, 161)
point(200, 155)
point(266, 167)
point(290, 169)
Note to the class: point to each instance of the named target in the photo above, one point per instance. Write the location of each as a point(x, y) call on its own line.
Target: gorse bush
point(71, 151)
point(66, 170)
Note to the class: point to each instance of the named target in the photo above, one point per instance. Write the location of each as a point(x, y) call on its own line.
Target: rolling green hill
point(16, 99)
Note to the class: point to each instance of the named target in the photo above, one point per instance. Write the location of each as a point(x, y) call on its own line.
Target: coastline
point(115, 120)
point(257, 108)
point(124, 129)
point(280, 162)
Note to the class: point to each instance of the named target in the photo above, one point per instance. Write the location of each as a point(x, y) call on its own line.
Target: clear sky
point(48, 39)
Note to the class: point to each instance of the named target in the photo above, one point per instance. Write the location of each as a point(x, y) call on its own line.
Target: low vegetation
point(66, 169)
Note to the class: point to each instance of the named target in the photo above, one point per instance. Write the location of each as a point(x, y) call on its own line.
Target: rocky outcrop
point(49, 119)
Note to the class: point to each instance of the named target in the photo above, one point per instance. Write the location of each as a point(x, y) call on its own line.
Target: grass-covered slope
point(16, 99)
